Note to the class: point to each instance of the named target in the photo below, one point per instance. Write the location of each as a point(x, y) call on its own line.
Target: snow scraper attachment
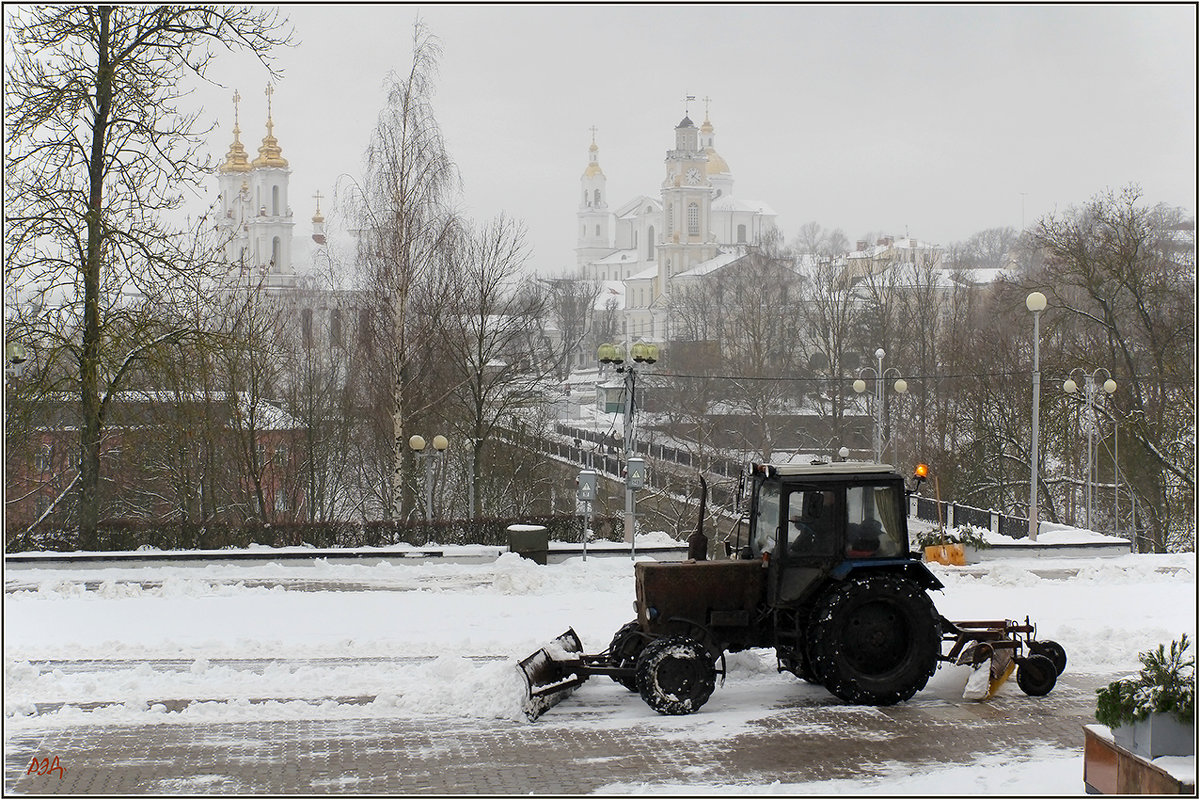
point(552, 673)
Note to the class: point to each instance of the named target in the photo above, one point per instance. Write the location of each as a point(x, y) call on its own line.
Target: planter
point(1157, 735)
point(949, 554)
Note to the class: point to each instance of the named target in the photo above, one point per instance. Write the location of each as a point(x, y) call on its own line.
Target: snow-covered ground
point(430, 638)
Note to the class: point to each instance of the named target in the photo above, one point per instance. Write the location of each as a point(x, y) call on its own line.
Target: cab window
point(766, 525)
point(873, 522)
point(812, 523)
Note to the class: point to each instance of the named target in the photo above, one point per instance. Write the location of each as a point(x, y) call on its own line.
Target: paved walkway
point(575, 749)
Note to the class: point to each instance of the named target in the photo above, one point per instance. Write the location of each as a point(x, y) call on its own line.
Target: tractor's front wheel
point(676, 675)
point(874, 641)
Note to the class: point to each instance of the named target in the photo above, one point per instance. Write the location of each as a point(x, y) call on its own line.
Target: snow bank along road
point(399, 678)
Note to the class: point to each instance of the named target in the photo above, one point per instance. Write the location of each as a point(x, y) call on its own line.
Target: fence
point(922, 508)
point(135, 534)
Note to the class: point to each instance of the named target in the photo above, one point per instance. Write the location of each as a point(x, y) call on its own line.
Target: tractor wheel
point(1036, 675)
point(874, 641)
point(623, 651)
point(676, 675)
point(1051, 650)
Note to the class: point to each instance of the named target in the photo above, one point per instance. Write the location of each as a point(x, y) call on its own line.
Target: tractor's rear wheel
point(676, 675)
point(627, 644)
point(874, 641)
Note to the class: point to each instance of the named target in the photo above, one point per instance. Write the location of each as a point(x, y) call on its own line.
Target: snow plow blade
point(552, 673)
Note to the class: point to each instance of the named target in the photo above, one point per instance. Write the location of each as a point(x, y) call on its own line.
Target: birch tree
point(406, 220)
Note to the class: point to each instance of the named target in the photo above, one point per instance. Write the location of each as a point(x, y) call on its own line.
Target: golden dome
point(707, 127)
point(593, 169)
point(270, 154)
point(236, 159)
point(716, 165)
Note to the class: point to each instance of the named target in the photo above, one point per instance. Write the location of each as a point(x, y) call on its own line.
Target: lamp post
point(1035, 302)
point(900, 386)
point(614, 354)
point(15, 359)
point(1089, 384)
point(417, 443)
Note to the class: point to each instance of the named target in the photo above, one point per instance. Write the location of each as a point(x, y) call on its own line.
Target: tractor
point(825, 578)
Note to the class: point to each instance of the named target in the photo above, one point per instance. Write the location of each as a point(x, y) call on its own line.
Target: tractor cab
point(810, 522)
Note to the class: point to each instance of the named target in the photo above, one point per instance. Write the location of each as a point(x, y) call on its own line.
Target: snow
point(412, 637)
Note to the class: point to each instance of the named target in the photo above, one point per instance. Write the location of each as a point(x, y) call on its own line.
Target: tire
point(874, 641)
point(1051, 650)
point(676, 675)
point(627, 644)
point(1036, 675)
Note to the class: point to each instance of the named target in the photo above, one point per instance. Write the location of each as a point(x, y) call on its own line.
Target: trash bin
point(529, 541)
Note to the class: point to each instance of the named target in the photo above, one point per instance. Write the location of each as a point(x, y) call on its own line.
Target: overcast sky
point(932, 120)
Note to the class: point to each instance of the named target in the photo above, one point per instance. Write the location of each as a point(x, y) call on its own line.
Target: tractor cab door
point(813, 529)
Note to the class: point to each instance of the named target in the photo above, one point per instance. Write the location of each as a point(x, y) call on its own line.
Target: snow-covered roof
point(618, 257)
point(647, 274)
point(713, 264)
point(730, 203)
point(636, 206)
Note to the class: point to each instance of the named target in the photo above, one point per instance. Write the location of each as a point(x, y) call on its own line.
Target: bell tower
point(687, 205)
point(592, 219)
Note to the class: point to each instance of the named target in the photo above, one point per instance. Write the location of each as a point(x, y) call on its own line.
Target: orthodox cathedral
point(254, 216)
point(694, 226)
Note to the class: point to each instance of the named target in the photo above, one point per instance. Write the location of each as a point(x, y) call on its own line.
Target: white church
point(694, 226)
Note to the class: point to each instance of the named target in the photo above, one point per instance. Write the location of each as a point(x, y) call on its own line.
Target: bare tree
point(404, 208)
point(1124, 275)
point(97, 150)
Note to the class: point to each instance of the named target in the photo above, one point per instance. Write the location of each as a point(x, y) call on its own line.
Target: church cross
point(270, 91)
point(318, 198)
point(686, 99)
point(707, 100)
point(236, 99)
point(593, 130)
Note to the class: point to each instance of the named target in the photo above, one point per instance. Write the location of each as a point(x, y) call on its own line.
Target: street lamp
point(901, 386)
point(15, 359)
point(1089, 384)
point(1035, 302)
point(641, 353)
point(417, 443)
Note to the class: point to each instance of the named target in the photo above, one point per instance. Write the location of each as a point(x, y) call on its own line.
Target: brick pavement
point(576, 748)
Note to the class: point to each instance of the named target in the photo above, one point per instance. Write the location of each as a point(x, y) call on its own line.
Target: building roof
point(730, 203)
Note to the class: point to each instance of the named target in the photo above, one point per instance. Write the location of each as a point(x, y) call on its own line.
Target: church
point(693, 227)
point(254, 216)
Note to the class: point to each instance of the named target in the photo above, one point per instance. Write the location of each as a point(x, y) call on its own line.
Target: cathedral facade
point(691, 227)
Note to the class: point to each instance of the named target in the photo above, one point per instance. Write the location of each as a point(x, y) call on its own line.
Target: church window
point(583, 231)
point(306, 332)
point(635, 240)
point(693, 219)
point(275, 252)
point(275, 201)
point(585, 202)
point(597, 196)
point(597, 230)
point(670, 218)
point(650, 242)
point(741, 237)
point(335, 327)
